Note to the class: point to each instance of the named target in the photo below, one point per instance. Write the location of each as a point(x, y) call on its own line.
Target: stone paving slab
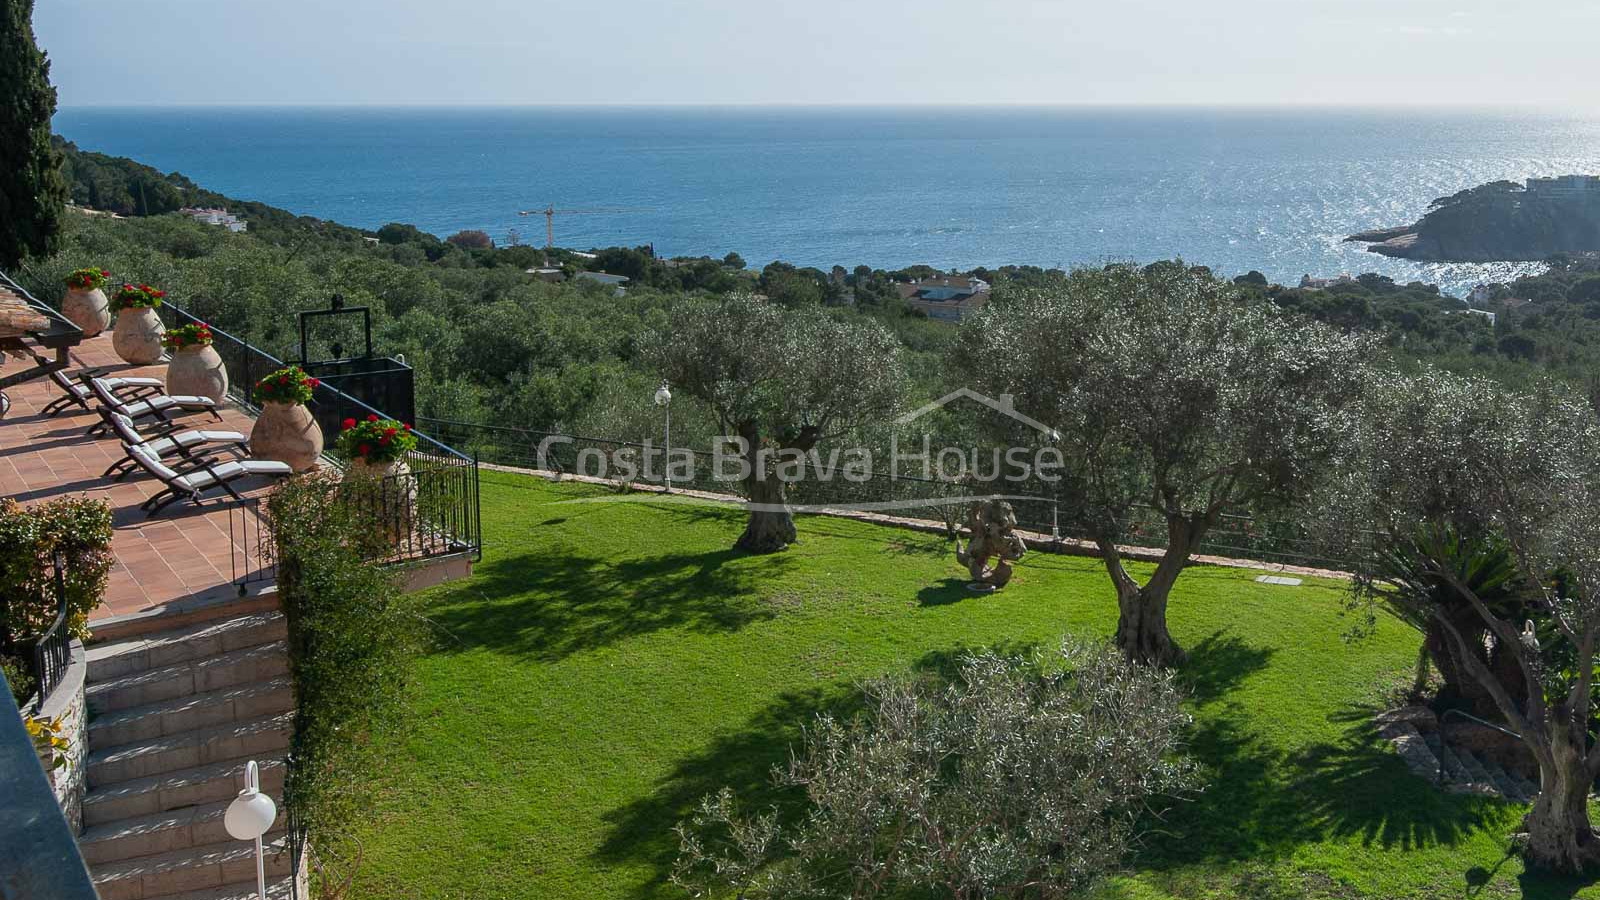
point(185, 551)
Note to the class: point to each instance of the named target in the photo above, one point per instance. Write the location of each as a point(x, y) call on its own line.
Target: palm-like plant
point(1415, 587)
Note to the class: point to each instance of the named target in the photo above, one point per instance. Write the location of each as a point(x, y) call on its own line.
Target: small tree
point(33, 192)
point(1169, 394)
point(1008, 782)
point(1460, 467)
point(472, 240)
point(779, 380)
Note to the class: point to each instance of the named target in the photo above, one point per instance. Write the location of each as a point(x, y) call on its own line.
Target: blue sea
point(1273, 190)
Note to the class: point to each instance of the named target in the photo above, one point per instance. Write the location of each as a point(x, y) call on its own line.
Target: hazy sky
point(1364, 52)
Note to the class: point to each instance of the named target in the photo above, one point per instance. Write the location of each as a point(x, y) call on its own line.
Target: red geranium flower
point(104, 274)
point(364, 449)
point(372, 417)
point(408, 427)
point(349, 423)
point(313, 381)
point(386, 439)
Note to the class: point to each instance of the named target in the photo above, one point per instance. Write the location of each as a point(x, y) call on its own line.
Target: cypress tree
point(33, 193)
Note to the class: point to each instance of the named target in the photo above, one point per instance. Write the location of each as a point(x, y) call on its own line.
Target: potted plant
point(376, 445)
point(137, 337)
point(376, 449)
point(85, 304)
point(285, 430)
point(196, 369)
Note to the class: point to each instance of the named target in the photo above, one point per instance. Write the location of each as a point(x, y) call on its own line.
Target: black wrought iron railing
point(252, 554)
point(443, 480)
point(50, 652)
point(895, 493)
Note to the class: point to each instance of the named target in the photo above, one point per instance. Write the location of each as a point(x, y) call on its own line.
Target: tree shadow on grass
point(553, 602)
point(1217, 664)
point(946, 592)
point(640, 832)
point(1261, 802)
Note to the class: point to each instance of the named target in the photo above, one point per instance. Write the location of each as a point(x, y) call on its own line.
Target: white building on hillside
point(216, 217)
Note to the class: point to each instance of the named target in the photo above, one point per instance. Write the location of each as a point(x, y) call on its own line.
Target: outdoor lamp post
point(664, 400)
point(248, 818)
point(1055, 502)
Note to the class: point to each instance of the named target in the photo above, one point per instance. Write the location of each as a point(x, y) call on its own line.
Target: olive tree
point(1171, 396)
point(1457, 468)
point(779, 380)
point(1013, 780)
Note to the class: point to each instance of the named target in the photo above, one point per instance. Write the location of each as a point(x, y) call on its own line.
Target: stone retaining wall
point(66, 705)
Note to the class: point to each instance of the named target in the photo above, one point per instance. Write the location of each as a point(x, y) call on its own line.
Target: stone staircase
point(1465, 773)
point(1415, 735)
point(174, 717)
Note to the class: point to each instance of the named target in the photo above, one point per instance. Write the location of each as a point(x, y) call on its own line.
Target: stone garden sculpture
point(992, 546)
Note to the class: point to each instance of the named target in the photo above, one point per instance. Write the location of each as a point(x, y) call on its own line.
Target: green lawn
point(610, 663)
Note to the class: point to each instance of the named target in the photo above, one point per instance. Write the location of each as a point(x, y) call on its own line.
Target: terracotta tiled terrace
point(185, 551)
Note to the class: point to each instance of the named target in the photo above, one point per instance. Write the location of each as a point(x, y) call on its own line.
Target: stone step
point(180, 714)
point(178, 789)
point(1451, 764)
point(155, 756)
point(250, 664)
point(1475, 768)
point(223, 602)
point(190, 869)
point(245, 890)
point(116, 659)
point(163, 832)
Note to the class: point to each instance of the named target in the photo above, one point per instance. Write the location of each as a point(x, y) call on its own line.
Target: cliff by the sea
point(1500, 221)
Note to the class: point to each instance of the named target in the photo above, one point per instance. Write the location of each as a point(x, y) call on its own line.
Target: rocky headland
point(1499, 221)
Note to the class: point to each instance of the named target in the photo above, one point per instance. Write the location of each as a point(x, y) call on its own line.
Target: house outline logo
point(1005, 405)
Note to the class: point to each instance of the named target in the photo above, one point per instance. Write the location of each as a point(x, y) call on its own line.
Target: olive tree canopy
point(1170, 395)
point(1014, 780)
point(1457, 462)
point(779, 379)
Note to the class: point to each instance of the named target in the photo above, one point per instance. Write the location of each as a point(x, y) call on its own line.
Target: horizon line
point(844, 105)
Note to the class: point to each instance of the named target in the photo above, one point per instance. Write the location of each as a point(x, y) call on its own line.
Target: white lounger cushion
point(163, 446)
point(201, 479)
point(162, 402)
point(112, 384)
point(166, 445)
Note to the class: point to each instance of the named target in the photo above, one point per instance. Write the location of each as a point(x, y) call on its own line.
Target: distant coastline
point(1500, 221)
point(955, 188)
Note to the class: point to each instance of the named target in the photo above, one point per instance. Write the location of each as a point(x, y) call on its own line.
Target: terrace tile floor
point(185, 551)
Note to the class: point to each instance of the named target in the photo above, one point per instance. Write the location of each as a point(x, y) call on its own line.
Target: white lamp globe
point(249, 815)
point(663, 396)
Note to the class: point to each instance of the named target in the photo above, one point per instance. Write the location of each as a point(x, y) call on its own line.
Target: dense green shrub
point(1012, 780)
point(351, 641)
point(81, 529)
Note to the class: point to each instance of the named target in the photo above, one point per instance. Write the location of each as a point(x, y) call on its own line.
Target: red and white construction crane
point(550, 212)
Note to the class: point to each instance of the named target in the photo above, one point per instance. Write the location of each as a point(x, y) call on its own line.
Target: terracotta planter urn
point(286, 432)
point(137, 337)
point(391, 496)
point(87, 310)
point(198, 371)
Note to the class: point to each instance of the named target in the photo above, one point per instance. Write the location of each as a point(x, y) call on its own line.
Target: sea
point(1275, 190)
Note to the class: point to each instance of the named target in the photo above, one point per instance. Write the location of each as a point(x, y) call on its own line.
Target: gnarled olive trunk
point(1560, 837)
point(1142, 610)
point(1142, 627)
point(771, 527)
